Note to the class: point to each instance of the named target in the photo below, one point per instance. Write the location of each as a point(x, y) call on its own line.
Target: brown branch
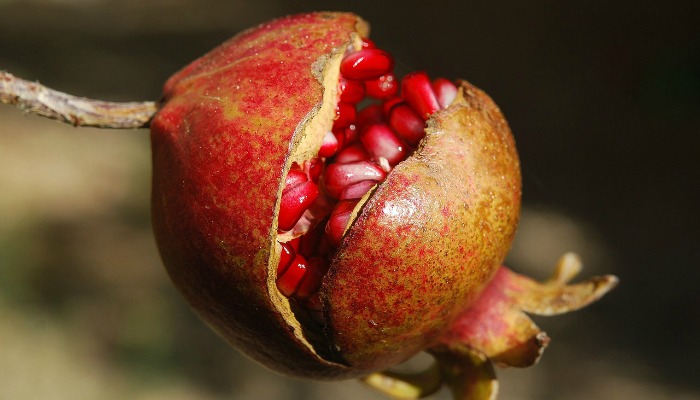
point(78, 111)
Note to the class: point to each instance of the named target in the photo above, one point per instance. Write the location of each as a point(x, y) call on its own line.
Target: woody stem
point(78, 111)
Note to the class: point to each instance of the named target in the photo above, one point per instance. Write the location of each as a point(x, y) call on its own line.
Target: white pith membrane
point(304, 314)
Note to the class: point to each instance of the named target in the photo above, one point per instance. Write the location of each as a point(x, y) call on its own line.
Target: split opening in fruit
point(379, 121)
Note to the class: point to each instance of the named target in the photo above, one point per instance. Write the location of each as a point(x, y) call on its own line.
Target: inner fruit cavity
point(378, 123)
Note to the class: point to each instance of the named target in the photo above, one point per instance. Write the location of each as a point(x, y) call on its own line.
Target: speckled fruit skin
point(421, 249)
point(429, 239)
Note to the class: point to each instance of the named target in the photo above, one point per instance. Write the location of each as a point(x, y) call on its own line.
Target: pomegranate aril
point(352, 153)
point(294, 202)
point(346, 136)
point(310, 241)
point(309, 286)
point(369, 115)
point(417, 90)
point(357, 190)
point(329, 146)
point(365, 64)
point(295, 244)
point(350, 135)
point(339, 135)
point(351, 91)
point(317, 267)
point(407, 124)
point(381, 141)
point(313, 168)
point(389, 104)
point(338, 176)
point(384, 87)
point(445, 91)
point(290, 279)
point(286, 257)
point(345, 114)
point(294, 177)
point(338, 221)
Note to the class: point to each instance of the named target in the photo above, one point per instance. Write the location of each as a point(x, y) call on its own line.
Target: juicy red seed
point(384, 87)
point(294, 177)
point(339, 135)
point(338, 176)
point(310, 284)
point(389, 104)
point(286, 257)
point(357, 190)
point(381, 141)
point(295, 243)
point(346, 136)
point(418, 92)
point(445, 91)
point(309, 242)
point(289, 280)
point(407, 124)
point(318, 266)
point(338, 221)
point(351, 91)
point(314, 167)
point(354, 152)
point(367, 43)
point(366, 64)
point(329, 146)
point(294, 202)
point(369, 115)
point(345, 114)
point(350, 135)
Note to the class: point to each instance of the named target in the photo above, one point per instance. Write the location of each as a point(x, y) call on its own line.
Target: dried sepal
point(554, 296)
point(497, 326)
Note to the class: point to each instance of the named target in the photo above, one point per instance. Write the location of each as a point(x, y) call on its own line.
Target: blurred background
point(604, 101)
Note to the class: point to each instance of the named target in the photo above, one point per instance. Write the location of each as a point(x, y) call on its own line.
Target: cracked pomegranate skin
point(422, 248)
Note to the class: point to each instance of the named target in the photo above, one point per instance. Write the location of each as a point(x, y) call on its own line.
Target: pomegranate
point(331, 220)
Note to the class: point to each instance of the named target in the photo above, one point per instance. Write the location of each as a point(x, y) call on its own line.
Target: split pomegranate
point(331, 219)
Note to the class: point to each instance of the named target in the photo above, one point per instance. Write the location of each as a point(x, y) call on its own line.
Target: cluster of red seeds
point(357, 154)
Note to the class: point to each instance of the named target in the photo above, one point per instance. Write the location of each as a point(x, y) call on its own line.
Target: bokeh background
point(604, 101)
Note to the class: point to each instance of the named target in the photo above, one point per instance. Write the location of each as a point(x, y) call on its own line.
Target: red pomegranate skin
point(220, 146)
point(421, 250)
point(429, 239)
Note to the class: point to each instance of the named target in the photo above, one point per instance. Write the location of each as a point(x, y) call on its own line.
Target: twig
point(78, 111)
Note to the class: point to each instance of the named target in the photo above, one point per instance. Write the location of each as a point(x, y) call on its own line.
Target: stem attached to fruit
point(78, 111)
